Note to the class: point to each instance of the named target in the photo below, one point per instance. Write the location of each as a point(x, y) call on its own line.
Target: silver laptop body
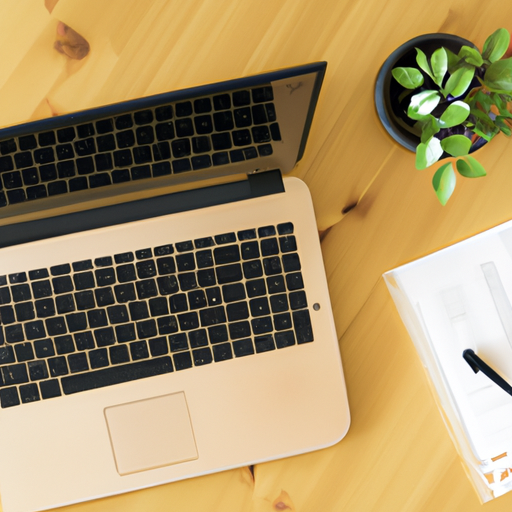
point(172, 319)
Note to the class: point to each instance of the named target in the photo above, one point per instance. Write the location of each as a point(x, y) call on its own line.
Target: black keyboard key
point(259, 307)
point(147, 329)
point(84, 340)
point(37, 370)
point(269, 247)
point(13, 374)
point(272, 266)
point(24, 352)
point(29, 393)
point(158, 346)
point(264, 343)
point(226, 254)
point(85, 130)
point(218, 333)
point(9, 397)
point(23, 160)
point(78, 362)
point(24, 311)
point(164, 113)
point(239, 330)
point(229, 273)
point(143, 117)
point(76, 322)
point(243, 347)
point(104, 126)
point(44, 348)
point(12, 179)
point(139, 350)
point(212, 316)
point(65, 303)
point(98, 358)
point(166, 325)
point(119, 354)
point(118, 314)
point(116, 375)
point(56, 325)
point(85, 147)
point(182, 360)
point(241, 98)
point(275, 284)
point(167, 285)
point(85, 300)
point(233, 292)
point(302, 325)
point(125, 139)
point(237, 311)
point(104, 337)
point(222, 352)
point(21, 292)
point(284, 339)
point(16, 196)
point(202, 356)
point(294, 281)
point(97, 318)
point(291, 262)
point(188, 321)
point(66, 134)
point(261, 325)
point(125, 332)
point(50, 389)
point(256, 288)
point(7, 355)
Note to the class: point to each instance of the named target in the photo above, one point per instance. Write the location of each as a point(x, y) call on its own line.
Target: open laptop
point(163, 302)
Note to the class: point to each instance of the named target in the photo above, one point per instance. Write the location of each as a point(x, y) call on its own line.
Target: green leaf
point(470, 167)
point(453, 60)
point(428, 153)
point(471, 56)
point(503, 126)
point(428, 127)
point(444, 182)
point(422, 61)
point(485, 126)
point(422, 104)
point(485, 101)
point(410, 78)
point(456, 145)
point(502, 104)
point(439, 63)
point(459, 81)
point(499, 75)
point(455, 114)
point(496, 45)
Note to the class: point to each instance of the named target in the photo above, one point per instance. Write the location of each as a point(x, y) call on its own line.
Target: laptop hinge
point(257, 185)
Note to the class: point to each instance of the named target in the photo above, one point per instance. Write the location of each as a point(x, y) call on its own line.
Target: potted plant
point(454, 102)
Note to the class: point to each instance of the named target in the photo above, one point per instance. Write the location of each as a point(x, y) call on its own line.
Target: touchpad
point(151, 433)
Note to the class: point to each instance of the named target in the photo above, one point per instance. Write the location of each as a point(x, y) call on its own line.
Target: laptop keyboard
point(93, 323)
point(163, 140)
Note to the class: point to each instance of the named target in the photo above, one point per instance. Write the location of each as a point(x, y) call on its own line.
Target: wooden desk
point(397, 455)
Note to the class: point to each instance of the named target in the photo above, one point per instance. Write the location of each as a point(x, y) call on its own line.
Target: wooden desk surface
point(397, 455)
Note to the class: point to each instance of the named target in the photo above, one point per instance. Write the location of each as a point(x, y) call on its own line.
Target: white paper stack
point(452, 300)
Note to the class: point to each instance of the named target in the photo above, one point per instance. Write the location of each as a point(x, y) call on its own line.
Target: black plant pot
point(391, 109)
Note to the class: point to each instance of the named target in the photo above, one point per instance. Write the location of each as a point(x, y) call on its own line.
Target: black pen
point(478, 364)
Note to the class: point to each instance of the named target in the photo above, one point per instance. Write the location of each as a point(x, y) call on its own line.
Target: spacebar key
point(116, 375)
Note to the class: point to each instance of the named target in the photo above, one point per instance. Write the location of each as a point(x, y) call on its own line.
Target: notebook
point(163, 302)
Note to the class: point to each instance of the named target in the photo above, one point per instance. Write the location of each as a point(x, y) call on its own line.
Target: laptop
point(164, 307)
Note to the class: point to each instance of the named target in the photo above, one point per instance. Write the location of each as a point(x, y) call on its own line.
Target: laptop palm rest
point(152, 433)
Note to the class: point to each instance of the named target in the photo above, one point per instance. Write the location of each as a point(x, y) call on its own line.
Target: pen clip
point(478, 364)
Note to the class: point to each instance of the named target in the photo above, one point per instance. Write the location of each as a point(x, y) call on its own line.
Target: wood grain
point(398, 455)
